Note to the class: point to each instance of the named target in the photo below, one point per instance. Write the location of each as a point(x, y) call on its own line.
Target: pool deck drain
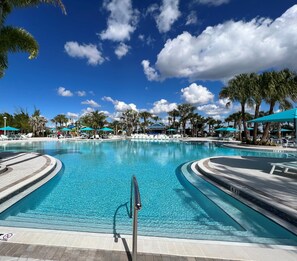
point(38, 244)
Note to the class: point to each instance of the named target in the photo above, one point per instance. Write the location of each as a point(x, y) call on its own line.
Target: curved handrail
point(137, 207)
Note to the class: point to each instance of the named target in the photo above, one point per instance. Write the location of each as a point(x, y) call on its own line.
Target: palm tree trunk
point(257, 110)
point(246, 134)
point(267, 127)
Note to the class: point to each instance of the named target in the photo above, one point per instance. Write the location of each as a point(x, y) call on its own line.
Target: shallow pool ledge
point(25, 173)
point(268, 205)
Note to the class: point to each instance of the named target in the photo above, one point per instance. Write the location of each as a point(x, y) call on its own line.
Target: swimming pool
point(92, 193)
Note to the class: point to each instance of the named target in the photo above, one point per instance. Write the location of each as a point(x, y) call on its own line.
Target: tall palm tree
point(173, 114)
point(61, 119)
point(145, 115)
point(278, 87)
point(129, 119)
point(37, 123)
point(197, 122)
point(13, 39)
point(98, 119)
point(185, 111)
point(211, 122)
point(238, 90)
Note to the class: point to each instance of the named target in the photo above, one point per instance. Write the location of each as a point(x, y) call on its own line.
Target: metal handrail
point(137, 207)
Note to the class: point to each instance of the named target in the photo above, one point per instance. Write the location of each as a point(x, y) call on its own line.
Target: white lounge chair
point(284, 165)
point(4, 137)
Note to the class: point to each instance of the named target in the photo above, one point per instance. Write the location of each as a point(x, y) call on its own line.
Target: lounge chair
point(4, 137)
point(284, 165)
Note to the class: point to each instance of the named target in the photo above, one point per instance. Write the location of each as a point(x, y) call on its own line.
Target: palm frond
point(17, 40)
point(27, 3)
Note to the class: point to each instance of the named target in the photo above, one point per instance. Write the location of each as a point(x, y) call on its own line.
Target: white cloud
point(122, 50)
point(213, 2)
point(151, 73)
point(63, 92)
point(227, 49)
point(163, 106)
point(87, 110)
point(121, 22)
point(168, 15)
point(192, 18)
point(120, 106)
point(197, 94)
point(81, 93)
point(91, 103)
point(72, 115)
point(88, 51)
point(217, 108)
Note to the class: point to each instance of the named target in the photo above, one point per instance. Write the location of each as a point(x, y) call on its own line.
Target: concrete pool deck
point(38, 244)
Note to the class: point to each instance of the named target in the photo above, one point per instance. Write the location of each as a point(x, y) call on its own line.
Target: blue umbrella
point(87, 129)
point(66, 129)
point(8, 128)
point(228, 129)
point(106, 129)
point(285, 116)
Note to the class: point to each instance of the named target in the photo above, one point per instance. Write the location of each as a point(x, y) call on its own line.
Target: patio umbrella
point(87, 129)
point(228, 129)
point(106, 129)
point(171, 130)
point(285, 116)
point(8, 128)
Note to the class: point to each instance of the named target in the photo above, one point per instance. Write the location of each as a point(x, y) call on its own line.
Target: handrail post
point(136, 207)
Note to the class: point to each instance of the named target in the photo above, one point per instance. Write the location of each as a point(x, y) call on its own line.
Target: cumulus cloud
point(121, 22)
point(88, 51)
point(163, 106)
point(169, 13)
point(81, 93)
point(150, 72)
point(227, 49)
point(197, 94)
point(217, 109)
point(72, 115)
point(120, 106)
point(87, 111)
point(122, 50)
point(91, 103)
point(63, 92)
point(213, 2)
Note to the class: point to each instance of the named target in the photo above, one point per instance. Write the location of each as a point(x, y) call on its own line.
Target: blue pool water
point(92, 193)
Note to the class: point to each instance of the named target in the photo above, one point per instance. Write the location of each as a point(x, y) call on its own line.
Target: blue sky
point(145, 55)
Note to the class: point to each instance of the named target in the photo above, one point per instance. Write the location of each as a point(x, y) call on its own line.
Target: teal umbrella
point(87, 129)
point(8, 128)
point(285, 116)
point(228, 129)
point(66, 129)
point(171, 130)
point(106, 129)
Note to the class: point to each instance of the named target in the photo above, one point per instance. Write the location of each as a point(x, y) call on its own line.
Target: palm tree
point(144, 115)
point(61, 119)
point(98, 119)
point(37, 122)
point(185, 110)
point(238, 90)
point(173, 114)
point(211, 122)
point(129, 119)
point(21, 120)
point(197, 122)
point(278, 87)
point(13, 39)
